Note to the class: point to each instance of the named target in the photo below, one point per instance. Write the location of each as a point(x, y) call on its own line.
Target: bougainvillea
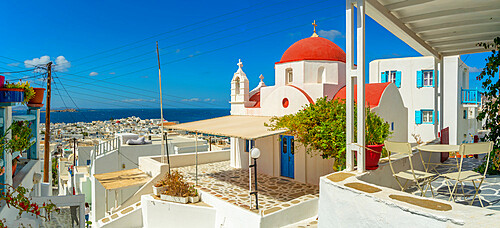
point(18, 198)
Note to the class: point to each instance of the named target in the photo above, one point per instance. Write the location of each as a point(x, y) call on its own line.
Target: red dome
point(313, 48)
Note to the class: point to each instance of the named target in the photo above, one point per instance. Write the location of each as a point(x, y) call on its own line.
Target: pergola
point(437, 28)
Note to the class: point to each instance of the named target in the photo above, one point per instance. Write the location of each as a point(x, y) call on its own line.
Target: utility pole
point(46, 155)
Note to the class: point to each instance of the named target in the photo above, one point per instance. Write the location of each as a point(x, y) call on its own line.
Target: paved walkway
point(489, 191)
point(231, 185)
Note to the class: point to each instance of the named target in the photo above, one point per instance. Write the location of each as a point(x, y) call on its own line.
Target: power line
point(207, 52)
point(213, 33)
point(186, 26)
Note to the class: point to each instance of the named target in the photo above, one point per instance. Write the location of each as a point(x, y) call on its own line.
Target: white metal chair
point(420, 178)
point(469, 175)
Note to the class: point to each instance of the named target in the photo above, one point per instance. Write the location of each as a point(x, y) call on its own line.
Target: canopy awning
point(122, 178)
point(439, 28)
point(245, 127)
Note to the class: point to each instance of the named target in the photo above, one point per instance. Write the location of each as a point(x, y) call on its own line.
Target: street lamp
point(255, 153)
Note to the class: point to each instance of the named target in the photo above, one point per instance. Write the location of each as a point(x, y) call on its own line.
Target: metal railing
point(471, 96)
point(106, 147)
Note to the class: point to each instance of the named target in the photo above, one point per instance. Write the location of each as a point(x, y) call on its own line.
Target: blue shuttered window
point(398, 79)
point(420, 79)
point(383, 77)
point(418, 117)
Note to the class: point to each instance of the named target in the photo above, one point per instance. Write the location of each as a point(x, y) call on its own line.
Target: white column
point(361, 84)
point(8, 155)
point(349, 85)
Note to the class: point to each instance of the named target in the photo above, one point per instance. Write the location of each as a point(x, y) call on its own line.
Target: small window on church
point(237, 86)
point(289, 76)
point(321, 75)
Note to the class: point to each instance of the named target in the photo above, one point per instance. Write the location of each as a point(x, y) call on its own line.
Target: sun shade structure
point(439, 28)
point(245, 127)
point(122, 179)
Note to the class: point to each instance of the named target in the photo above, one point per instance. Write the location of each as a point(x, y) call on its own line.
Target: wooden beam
point(385, 18)
point(461, 12)
point(454, 24)
point(405, 4)
point(480, 30)
point(473, 39)
point(465, 52)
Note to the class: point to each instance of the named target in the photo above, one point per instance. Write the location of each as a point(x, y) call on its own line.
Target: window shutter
point(433, 117)
point(383, 77)
point(398, 79)
point(418, 117)
point(420, 79)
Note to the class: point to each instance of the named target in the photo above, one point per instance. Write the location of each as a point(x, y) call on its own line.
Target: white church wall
point(298, 73)
point(272, 105)
point(392, 110)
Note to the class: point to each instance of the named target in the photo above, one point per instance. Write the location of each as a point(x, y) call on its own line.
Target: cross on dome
point(261, 77)
point(314, 33)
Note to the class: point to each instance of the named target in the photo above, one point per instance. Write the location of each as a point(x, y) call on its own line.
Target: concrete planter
point(194, 199)
point(158, 190)
point(176, 199)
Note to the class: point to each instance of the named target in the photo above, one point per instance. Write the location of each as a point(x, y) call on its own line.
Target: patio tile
point(231, 185)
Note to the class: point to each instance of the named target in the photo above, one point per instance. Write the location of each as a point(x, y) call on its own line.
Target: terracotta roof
point(313, 48)
point(256, 97)
point(373, 93)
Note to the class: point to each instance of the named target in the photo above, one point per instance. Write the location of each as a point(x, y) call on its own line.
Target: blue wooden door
point(287, 156)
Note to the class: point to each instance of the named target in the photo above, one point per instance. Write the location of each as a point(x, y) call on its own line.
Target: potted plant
point(159, 187)
point(19, 141)
point(320, 127)
point(17, 92)
point(194, 197)
point(377, 131)
point(37, 99)
point(177, 189)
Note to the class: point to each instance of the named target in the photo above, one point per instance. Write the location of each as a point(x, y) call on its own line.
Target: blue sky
point(108, 47)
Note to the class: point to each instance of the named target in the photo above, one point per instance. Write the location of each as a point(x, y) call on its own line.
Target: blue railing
point(471, 96)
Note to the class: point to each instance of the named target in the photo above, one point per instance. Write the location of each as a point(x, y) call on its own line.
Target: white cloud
point(475, 69)
point(13, 64)
point(208, 99)
point(62, 64)
point(37, 61)
point(93, 73)
point(112, 73)
point(138, 100)
point(192, 99)
point(330, 34)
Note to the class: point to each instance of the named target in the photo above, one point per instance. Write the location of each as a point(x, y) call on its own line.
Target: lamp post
point(255, 153)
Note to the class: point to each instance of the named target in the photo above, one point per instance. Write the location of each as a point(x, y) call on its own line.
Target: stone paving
point(231, 185)
point(489, 191)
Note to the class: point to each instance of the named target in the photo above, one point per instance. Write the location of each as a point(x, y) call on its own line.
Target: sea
point(182, 115)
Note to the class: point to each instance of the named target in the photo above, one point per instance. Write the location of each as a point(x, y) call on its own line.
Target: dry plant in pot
point(177, 189)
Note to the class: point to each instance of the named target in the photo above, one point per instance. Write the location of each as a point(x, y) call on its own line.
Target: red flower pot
point(2, 81)
point(37, 100)
point(372, 157)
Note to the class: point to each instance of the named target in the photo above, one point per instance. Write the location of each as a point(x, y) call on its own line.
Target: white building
point(309, 69)
point(419, 86)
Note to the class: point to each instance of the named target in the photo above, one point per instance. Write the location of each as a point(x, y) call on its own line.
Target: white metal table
point(437, 148)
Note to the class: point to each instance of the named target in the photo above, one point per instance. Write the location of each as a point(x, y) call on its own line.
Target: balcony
point(471, 97)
